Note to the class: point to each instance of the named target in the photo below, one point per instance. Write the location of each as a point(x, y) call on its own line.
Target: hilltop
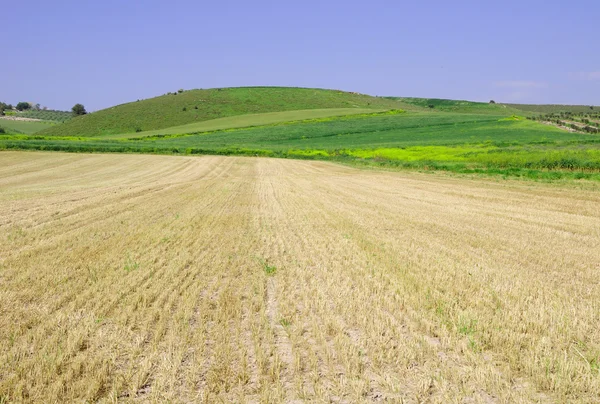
point(192, 106)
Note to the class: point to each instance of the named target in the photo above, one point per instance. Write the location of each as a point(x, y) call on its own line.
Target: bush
point(2, 130)
point(492, 102)
point(184, 109)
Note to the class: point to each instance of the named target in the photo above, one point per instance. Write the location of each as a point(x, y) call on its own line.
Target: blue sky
point(102, 53)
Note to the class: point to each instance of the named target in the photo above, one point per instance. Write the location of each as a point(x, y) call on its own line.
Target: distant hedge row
point(47, 115)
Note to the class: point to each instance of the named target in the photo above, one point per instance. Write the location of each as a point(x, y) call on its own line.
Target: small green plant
point(595, 365)
point(269, 269)
point(131, 265)
point(184, 109)
point(285, 322)
point(473, 345)
point(467, 326)
point(92, 274)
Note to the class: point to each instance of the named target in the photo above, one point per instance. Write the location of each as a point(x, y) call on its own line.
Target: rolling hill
point(192, 106)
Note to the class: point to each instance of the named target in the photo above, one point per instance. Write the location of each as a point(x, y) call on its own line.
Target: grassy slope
point(550, 108)
point(249, 120)
point(470, 107)
point(26, 127)
point(458, 106)
point(202, 105)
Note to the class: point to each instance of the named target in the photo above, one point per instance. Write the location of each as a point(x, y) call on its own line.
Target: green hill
point(188, 107)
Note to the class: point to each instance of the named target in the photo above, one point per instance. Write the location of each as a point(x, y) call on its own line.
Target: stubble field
point(138, 278)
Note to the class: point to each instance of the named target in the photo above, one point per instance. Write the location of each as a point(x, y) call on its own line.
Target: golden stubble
point(149, 278)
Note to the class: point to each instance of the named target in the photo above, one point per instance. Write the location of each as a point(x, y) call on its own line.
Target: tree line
point(77, 110)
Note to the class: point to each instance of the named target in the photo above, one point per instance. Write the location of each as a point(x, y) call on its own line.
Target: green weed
point(269, 269)
point(131, 265)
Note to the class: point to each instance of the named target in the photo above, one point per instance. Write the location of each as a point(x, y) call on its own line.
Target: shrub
point(2, 130)
point(180, 90)
point(184, 109)
point(492, 102)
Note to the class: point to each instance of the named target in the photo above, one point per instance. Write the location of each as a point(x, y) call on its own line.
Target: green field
point(26, 127)
point(193, 106)
point(466, 143)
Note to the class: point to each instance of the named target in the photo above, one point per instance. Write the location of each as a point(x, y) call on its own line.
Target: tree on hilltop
point(78, 109)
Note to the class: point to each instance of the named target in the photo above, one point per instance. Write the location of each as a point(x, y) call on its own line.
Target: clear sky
point(105, 52)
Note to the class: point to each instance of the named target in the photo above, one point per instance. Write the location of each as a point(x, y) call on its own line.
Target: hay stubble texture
point(154, 278)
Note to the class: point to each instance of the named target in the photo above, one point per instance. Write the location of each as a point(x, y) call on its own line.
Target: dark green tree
point(23, 106)
point(78, 109)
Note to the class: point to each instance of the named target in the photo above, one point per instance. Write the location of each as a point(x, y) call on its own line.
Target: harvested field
point(157, 278)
